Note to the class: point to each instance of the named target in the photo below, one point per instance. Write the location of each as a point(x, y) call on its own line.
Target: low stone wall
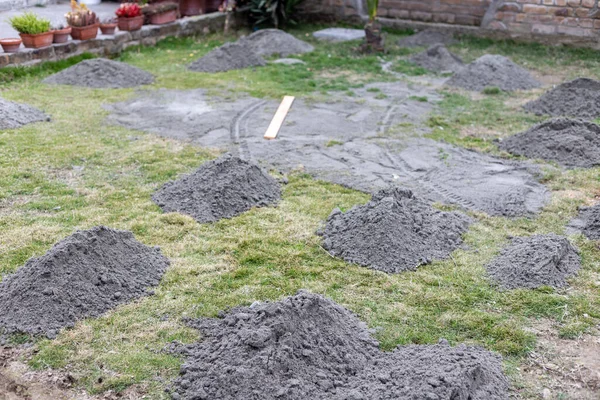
point(106, 45)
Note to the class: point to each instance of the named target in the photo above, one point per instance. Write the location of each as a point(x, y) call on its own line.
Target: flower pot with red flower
point(10, 45)
point(61, 33)
point(83, 22)
point(108, 26)
point(161, 13)
point(130, 17)
point(34, 31)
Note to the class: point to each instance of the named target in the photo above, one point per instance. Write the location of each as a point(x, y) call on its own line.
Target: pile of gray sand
point(437, 58)
point(15, 115)
point(587, 222)
point(222, 188)
point(267, 42)
point(228, 57)
point(84, 275)
point(569, 142)
point(579, 98)
point(493, 71)
point(394, 232)
point(308, 347)
point(426, 38)
point(534, 261)
point(102, 74)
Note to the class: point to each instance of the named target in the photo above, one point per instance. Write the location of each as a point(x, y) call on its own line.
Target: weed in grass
point(491, 90)
point(422, 99)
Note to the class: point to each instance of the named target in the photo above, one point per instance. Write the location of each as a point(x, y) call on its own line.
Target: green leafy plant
point(29, 23)
point(372, 6)
point(277, 13)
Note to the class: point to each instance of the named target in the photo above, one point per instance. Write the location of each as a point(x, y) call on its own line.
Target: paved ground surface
point(54, 12)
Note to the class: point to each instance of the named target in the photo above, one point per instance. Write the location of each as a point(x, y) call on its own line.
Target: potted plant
point(61, 33)
point(130, 17)
point(192, 7)
point(161, 13)
point(213, 5)
point(10, 45)
point(34, 31)
point(108, 26)
point(373, 37)
point(83, 22)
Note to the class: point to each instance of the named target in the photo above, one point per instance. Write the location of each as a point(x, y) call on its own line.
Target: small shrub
point(276, 13)
point(29, 24)
point(492, 90)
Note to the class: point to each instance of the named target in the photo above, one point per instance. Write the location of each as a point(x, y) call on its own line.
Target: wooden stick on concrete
point(279, 117)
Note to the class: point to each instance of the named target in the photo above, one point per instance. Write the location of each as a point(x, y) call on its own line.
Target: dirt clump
point(426, 38)
point(493, 71)
point(438, 58)
point(228, 57)
point(308, 347)
point(222, 188)
point(569, 142)
point(101, 73)
point(587, 222)
point(267, 42)
point(84, 275)
point(534, 261)
point(579, 98)
point(15, 115)
point(394, 232)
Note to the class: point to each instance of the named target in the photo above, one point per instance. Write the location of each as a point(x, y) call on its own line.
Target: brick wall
point(546, 17)
point(461, 12)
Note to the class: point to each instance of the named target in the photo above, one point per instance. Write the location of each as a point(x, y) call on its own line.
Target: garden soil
point(426, 38)
point(437, 58)
point(569, 142)
point(102, 74)
point(228, 57)
point(84, 275)
point(308, 347)
point(579, 98)
point(534, 261)
point(493, 71)
point(394, 232)
point(587, 222)
point(222, 188)
point(268, 42)
point(367, 141)
point(15, 115)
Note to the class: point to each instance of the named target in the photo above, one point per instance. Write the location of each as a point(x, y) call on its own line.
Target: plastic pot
point(10, 45)
point(192, 7)
point(38, 40)
point(62, 35)
point(108, 29)
point(84, 32)
point(131, 24)
point(164, 17)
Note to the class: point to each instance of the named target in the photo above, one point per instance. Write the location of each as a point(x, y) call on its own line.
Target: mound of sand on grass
point(101, 73)
point(84, 275)
point(426, 38)
point(228, 57)
point(437, 58)
point(587, 222)
point(308, 347)
point(534, 261)
point(394, 232)
point(570, 142)
point(15, 115)
point(493, 71)
point(267, 42)
point(222, 188)
point(579, 98)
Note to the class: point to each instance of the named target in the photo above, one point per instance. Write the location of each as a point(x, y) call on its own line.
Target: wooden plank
point(279, 117)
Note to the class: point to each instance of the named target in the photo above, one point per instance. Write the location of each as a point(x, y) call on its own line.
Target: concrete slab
point(339, 34)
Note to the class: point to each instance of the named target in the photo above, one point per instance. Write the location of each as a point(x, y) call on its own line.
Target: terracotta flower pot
point(62, 35)
point(84, 32)
point(38, 40)
point(192, 7)
point(164, 17)
point(213, 5)
point(131, 24)
point(108, 29)
point(10, 45)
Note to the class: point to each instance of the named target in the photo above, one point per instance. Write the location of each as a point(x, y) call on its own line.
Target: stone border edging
point(106, 45)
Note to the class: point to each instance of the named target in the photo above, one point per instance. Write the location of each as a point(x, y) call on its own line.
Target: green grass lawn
point(76, 172)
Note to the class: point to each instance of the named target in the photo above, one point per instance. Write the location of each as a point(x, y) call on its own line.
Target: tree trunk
point(373, 38)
